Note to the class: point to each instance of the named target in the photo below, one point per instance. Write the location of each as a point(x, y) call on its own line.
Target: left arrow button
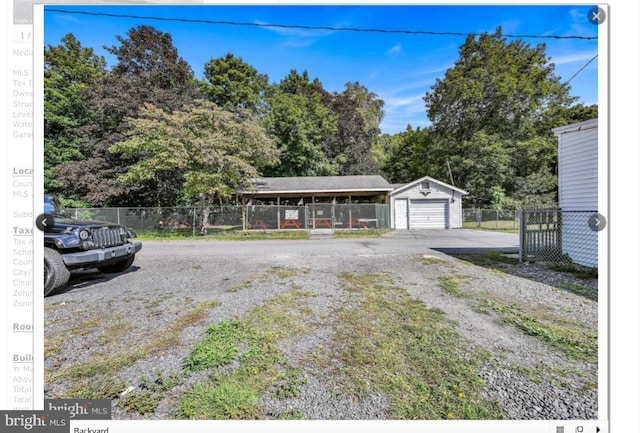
point(44, 222)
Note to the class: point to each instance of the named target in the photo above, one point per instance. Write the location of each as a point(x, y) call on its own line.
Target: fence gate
point(540, 235)
point(553, 235)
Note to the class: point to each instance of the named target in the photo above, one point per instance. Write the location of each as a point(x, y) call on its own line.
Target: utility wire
point(305, 27)
point(582, 68)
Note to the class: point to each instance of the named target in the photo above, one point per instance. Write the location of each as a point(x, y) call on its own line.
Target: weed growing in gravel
point(580, 289)
point(393, 344)
point(431, 260)
point(576, 270)
point(245, 361)
point(103, 366)
point(218, 348)
point(222, 235)
point(114, 332)
point(148, 394)
point(451, 285)
point(571, 338)
point(267, 276)
point(367, 233)
point(97, 387)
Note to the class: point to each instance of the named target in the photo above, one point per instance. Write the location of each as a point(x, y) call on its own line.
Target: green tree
point(368, 104)
point(350, 146)
point(148, 70)
point(492, 116)
point(234, 85)
point(216, 152)
point(497, 86)
point(69, 69)
point(299, 123)
point(358, 113)
point(405, 156)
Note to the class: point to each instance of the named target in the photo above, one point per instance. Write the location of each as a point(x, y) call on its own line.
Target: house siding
point(578, 189)
point(578, 169)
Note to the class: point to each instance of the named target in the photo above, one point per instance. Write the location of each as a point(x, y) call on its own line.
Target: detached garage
point(426, 203)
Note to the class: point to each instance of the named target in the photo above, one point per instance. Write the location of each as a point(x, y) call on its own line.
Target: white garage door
point(428, 214)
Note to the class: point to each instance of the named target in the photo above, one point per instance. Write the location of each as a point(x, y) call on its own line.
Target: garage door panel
point(428, 214)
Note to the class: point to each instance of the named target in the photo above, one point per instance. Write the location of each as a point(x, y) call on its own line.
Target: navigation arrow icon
point(44, 222)
point(597, 222)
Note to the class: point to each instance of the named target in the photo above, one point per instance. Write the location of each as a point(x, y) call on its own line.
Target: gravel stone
point(529, 378)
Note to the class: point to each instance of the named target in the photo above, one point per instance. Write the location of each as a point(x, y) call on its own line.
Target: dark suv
point(74, 244)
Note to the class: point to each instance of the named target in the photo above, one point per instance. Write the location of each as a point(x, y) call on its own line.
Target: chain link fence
point(490, 219)
point(258, 217)
point(556, 236)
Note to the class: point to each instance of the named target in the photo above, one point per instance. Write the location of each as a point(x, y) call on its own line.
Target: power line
point(305, 27)
point(582, 68)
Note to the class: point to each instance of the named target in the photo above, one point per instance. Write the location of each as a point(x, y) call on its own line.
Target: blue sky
point(398, 67)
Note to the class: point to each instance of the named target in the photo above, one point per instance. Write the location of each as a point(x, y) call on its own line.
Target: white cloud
point(396, 49)
point(295, 32)
point(562, 59)
point(406, 101)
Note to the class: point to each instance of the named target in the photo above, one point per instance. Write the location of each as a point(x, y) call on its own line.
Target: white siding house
point(426, 203)
point(578, 189)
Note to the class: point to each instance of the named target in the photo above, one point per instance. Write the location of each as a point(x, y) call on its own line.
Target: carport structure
point(315, 202)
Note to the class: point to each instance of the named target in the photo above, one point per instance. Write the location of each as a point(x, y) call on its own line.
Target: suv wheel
point(56, 274)
point(118, 267)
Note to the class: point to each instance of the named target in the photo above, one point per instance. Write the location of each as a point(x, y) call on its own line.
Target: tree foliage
point(69, 69)
point(496, 86)
point(299, 122)
point(234, 85)
point(492, 116)
point(109, 133)
point(358, 113)
point(216, 152)
point(149, 70)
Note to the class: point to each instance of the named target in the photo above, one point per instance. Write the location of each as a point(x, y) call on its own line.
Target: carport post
point(194, 221)
point(521, 252)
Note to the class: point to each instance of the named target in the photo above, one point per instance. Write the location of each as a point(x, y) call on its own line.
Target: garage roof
point(429, 179)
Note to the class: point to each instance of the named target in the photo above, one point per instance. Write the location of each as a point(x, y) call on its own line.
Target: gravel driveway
point(101, 317)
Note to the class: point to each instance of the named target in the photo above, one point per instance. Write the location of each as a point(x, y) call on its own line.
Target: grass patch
point(286, 273)
point(393, 344)
point(571, 338)
point(245, 363)
point(148, 394)
point(52, 347)
point(576, 270)
point(580, 289)
point(219, 347)
point(97, 387)
point(266, 276)
point(500, 226)
point(366, 233)
point(55, 306)
point(491, 259)
point(223, 235)
point(432, 260)
point(451, 285)
point(114, 332)
point(103, 366)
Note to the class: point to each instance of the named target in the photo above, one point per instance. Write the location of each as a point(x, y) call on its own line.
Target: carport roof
point(319, 184)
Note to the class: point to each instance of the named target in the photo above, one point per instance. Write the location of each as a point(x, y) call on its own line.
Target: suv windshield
point(53, 206)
